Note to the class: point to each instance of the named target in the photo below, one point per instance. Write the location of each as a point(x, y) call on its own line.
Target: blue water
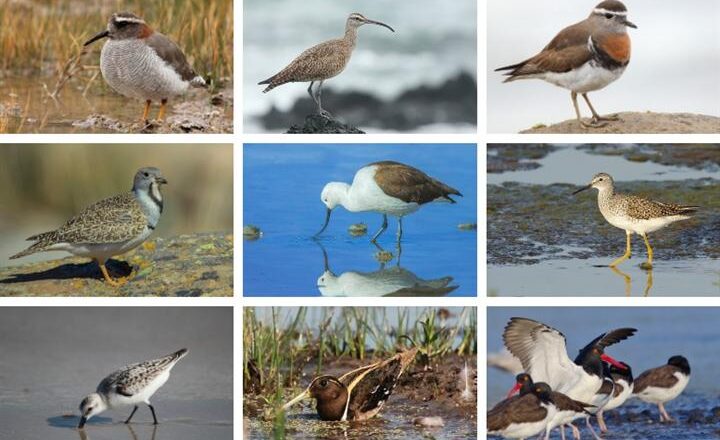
point(282, 185)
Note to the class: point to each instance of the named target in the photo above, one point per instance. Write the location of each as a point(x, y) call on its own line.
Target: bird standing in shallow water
point(635, 215)
point(584, 57)
point(109, 227)
point(387, 188)
point(359, 394)
point(322, 62)
point(140, 63)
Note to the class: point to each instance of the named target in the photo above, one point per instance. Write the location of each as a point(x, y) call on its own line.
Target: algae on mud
point(186, 265)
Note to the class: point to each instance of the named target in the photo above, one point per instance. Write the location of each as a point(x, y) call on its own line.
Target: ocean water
point(662, 332)
point(654, 80)
point(431, 43)
point(53, 356)
point(282, 186)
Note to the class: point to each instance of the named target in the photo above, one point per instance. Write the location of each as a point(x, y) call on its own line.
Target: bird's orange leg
point(163, 105)
point(146, 112)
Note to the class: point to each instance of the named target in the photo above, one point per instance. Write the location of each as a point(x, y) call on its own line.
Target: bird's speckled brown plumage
point(409, 184)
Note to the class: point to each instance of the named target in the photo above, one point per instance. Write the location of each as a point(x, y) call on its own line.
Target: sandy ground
point(633, 122)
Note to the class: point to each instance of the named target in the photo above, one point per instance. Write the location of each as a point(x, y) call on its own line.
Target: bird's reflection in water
point(386, 281)
point(628, 281)
point(84, 435)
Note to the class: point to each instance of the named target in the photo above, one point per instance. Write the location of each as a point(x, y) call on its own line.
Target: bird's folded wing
point(111, 220)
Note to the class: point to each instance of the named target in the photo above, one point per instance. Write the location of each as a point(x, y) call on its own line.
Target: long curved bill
point(327, 221)
point(304, 395)
point(379, 23)
point(83, 420)
point(99, 36)
point(582, 189)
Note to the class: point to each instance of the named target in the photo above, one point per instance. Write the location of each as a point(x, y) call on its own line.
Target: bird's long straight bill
point(380, 23)
point(304, 395)
point(582, 189)
point(81, 425)
point(327, 221)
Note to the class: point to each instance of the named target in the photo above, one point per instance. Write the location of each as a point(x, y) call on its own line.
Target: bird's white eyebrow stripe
point(129, 19)
point(603, 11)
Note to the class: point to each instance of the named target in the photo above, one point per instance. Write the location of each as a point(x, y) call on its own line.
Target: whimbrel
point(322, 62)
point(635, 215)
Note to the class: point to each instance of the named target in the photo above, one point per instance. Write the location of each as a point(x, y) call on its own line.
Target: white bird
point(131, 385)
point(387, 187)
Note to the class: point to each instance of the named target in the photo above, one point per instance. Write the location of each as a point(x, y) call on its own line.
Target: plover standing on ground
point(663, 384)
point(584, 57)
point(109, 227)
point(387, 188)
point(635, 215)
point(131, 385)
point(140, 63)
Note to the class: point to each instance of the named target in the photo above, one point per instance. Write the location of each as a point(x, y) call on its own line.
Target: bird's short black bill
point(83, 420)
point(379, 23)
point(628, 23)
point(582, 189)
point(99, 36)
point(327, 221)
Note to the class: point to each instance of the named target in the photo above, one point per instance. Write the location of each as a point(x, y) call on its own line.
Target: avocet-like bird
point(387, 187)
point(566, 409)
point(619, 391)
point(522, 416)
point(662, 384)
point(543, 354)
point(131, 385)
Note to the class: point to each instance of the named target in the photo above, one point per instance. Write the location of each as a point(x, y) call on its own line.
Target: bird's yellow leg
point(108, 278)
point(626, 278)
point(626, 255)
point(163, 106)
point(146, 112)
point(649, 249)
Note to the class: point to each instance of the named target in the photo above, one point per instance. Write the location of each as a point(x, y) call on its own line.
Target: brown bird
point(584, 57)
point(662, 384)
point(322, 62)
point(359, 394)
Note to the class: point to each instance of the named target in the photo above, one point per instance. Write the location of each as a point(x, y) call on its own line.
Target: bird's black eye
point(600, 179)
point(608, 16)
point(146, 174)
point(323, 383)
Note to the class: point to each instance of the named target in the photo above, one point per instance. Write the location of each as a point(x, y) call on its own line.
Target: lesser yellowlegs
point(635, 215)
point(387, 188)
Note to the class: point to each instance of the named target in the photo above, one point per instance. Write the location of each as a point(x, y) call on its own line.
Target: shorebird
point(358, 394)
point(584, 57)
point(109, 227)
point(322, 62)
point(618, 391)
point(385, 187)
point(566, 409)
point(522, 416)
point(543, 354)
point(634, 214)
point(131, 385)
point(140, 63)
point(663, 384)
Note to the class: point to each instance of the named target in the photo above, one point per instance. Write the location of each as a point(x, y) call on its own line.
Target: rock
point(638, 122)
point(185, 265)
point(317, 124)
point(251, 232)
point(695, 416)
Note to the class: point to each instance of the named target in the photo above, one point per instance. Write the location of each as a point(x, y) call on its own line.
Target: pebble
point(429, 422)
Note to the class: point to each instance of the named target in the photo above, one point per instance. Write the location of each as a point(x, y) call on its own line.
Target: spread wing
point(111, 220)
point(541, 350)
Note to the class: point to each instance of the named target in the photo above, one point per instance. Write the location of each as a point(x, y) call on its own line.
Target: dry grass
point(42, 35)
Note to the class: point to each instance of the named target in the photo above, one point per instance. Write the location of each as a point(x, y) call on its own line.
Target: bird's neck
point(151, 201)
point(350, 35)
point(347, 200)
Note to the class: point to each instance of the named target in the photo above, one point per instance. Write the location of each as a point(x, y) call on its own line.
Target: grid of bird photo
point(424, 220)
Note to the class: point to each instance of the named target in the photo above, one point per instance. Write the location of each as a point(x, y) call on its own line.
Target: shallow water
point(282, 198)
point(52, 357)
point(662, 332)
point(571, 259)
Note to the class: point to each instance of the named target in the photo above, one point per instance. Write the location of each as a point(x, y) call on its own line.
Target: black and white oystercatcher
point(662, 384)
point(619, 391)
point(522, 416)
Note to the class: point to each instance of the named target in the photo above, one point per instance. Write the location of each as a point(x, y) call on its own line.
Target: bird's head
point(148, 178)
point(600, 181)
point(122, 25)
point(90, 406)
point(355, 20)
point(612, 15)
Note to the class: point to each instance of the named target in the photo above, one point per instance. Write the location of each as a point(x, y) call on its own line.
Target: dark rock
point(695, 416)
point(317, 124)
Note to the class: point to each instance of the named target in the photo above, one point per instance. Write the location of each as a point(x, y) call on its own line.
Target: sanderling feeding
point(130, 385)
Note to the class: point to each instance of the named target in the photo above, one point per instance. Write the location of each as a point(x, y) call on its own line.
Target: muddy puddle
point(542, 240)
point(92, 107)
point(433, 392)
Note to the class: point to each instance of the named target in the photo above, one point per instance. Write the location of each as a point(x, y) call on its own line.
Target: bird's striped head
point(355, 20)
point(122, 26)
point(611, 14)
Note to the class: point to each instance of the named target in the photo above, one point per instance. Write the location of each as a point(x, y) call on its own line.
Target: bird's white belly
point(524, 430)
point(104, 251)
point(562, 418)
point(118, 400)
point(620, 398)
point(133, 69)
point(661, 395)
point(639, 226)
point(587, 78)
point(366, 195)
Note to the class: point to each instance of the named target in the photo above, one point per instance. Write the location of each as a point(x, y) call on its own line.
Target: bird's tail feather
point(42, 242)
